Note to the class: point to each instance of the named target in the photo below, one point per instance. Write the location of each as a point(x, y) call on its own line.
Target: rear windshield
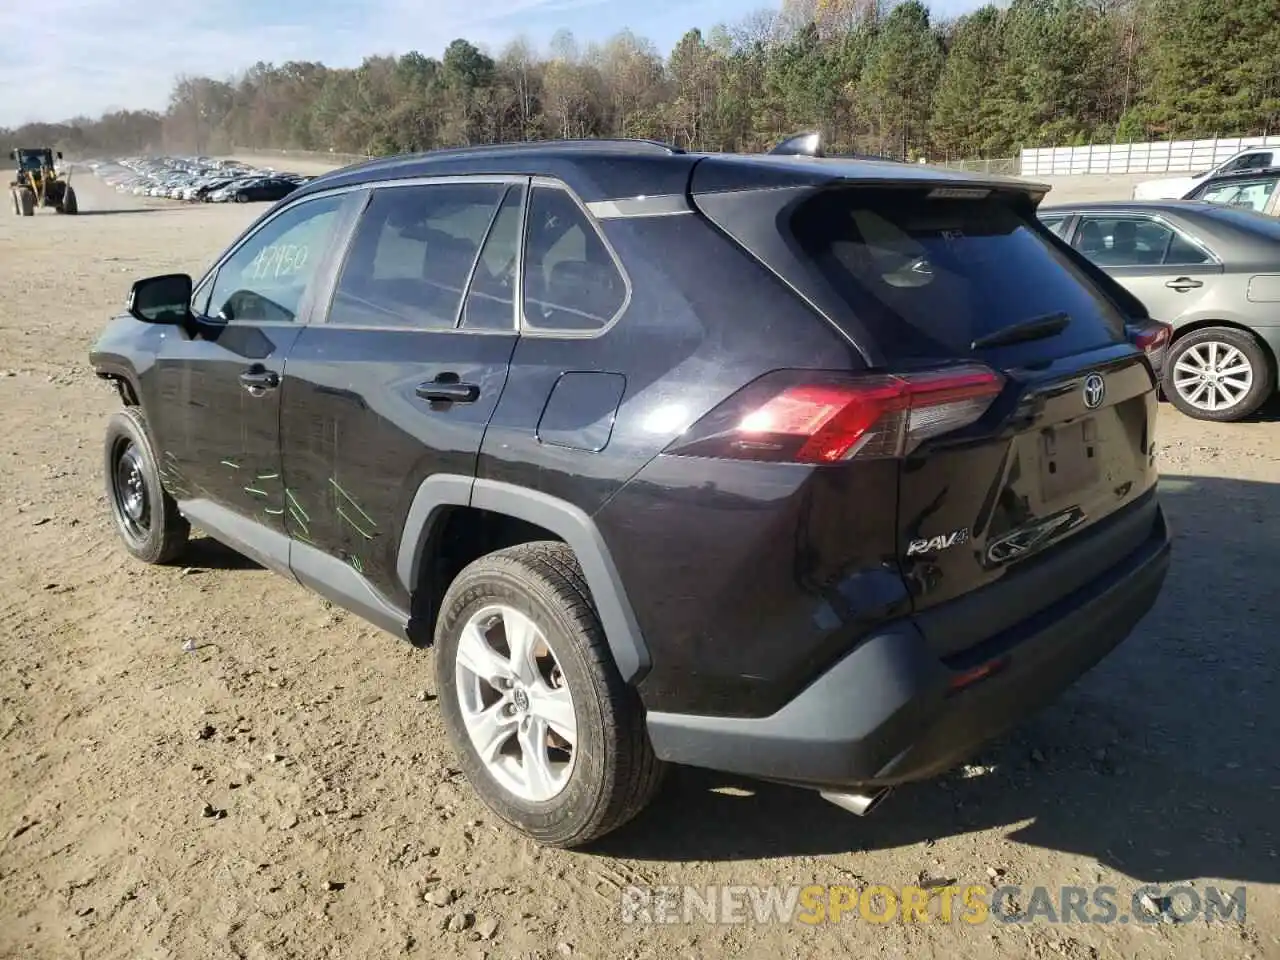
point(929, 276)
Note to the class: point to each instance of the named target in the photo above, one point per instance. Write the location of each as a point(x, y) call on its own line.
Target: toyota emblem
point(1095, 388)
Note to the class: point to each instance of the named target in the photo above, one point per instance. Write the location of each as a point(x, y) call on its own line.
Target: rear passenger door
point(1165, 267)
point(397, 379)
point(565, 385)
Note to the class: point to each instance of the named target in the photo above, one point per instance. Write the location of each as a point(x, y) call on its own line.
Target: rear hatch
point(1020, 413)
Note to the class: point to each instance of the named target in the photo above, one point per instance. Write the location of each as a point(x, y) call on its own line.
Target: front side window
point(571, 282)
point(412, 255)
point(265, 279)
point(1135, 242)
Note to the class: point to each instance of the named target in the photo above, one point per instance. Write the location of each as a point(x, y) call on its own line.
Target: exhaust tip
point(860, 804)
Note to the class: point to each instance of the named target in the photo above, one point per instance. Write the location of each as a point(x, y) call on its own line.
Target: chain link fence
point(1003, 166)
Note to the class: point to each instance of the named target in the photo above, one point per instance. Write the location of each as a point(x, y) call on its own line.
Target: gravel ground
point(285, 789)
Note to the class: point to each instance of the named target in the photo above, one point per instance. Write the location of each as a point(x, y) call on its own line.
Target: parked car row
point(1209, 264)
point(196, 179)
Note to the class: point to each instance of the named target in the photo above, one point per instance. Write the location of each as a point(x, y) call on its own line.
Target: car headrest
point(1090, 237)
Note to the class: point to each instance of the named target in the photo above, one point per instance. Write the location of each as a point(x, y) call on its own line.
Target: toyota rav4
point(823, 471)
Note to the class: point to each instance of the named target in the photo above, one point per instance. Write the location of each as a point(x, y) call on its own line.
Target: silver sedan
point(1211, 271)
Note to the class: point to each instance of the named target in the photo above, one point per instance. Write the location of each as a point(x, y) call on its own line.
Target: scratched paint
point(301, 519)
point(369, 526)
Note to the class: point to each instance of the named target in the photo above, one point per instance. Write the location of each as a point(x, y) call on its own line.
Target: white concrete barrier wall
point(1177, 156)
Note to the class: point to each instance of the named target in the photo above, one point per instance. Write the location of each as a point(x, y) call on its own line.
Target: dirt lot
point(346, 822)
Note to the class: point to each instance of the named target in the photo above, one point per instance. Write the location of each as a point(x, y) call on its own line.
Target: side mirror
point(162, 299)
point(59, 154)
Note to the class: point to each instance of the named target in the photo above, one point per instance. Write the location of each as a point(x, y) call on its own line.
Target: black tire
point(27, 202)
point(614, 773)
point(157, 532)
point(69, 202)
point(1185, 347)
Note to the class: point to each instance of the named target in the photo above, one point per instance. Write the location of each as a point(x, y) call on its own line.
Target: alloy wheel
point(515, 703)
point(1213, 376)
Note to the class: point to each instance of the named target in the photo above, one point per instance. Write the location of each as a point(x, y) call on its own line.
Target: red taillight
point(1152, 335)
point(802, 417)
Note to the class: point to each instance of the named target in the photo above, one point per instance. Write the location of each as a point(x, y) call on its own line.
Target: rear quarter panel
point(703, 320)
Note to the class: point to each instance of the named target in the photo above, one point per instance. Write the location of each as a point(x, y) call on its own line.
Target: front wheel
point(546, 731)
point(1218, 373)
point(145, 516)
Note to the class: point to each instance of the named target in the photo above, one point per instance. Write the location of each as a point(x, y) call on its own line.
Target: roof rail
point(585, 145)
point(807, 144)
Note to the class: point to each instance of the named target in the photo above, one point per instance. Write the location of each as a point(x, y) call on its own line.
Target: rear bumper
point(890, 712)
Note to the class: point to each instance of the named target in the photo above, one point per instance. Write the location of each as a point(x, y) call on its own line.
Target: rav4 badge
point(941, 542)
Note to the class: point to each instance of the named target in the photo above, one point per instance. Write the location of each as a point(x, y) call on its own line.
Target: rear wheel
point(146, 517)
point(548, 734)
point(1218, 373)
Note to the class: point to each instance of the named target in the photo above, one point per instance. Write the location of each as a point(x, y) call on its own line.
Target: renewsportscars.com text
point(974, 904)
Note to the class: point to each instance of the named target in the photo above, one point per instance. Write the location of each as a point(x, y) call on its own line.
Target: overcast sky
point(62, 58)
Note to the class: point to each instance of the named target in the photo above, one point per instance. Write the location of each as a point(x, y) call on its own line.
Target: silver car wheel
point(515, 703)
point(1213, 376)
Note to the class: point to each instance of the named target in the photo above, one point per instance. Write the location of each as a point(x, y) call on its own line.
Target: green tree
point(962, 105)
point(902, 70)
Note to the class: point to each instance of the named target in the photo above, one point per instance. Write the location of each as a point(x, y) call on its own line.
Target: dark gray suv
point(823, 471)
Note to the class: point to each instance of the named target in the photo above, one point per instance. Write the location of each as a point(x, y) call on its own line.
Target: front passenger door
point(215, 416)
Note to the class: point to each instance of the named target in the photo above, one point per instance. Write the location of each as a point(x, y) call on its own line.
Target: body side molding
point(325, 575)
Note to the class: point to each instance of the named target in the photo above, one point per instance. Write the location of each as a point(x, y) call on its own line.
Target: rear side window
point(1135, 242)
point(412, 254)
point(571, 282)
point(929, 276)
point(490, 299)
point(1057, 223)
point(1249, 161)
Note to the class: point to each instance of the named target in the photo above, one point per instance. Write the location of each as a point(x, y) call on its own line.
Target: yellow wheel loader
point(38, 183)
